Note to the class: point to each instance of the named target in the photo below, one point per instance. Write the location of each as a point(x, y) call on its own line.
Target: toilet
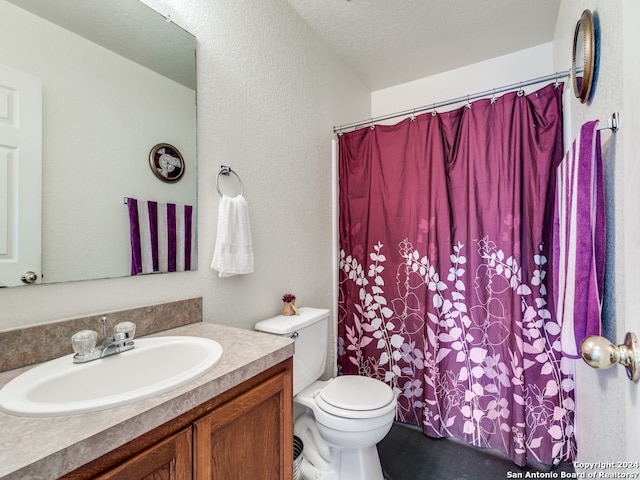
point(341, 420)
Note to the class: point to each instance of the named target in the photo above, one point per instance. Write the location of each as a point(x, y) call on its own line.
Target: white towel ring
point(224, 170)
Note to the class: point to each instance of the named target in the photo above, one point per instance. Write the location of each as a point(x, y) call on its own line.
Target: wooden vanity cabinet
point(170, 459)
point(245, 433)
point(247, 438)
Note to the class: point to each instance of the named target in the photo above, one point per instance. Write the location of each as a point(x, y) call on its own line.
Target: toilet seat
point(353, 396)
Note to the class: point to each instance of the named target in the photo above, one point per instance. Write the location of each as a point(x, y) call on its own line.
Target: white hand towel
point(233, 253)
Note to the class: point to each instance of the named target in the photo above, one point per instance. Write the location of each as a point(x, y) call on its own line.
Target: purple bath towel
point(579, 240)
point(162, 237)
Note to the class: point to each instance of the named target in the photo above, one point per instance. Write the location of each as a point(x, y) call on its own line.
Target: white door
point(20, 175)
point(631, 220)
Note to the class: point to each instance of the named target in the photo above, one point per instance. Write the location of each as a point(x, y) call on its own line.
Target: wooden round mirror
point(584, 56)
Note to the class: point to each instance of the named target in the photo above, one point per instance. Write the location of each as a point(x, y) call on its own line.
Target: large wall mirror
point(115, 78)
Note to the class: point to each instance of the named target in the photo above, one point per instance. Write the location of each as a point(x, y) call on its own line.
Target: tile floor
point(407, 454)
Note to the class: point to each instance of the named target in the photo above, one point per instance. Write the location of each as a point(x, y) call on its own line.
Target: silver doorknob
point(29, 277)
point(599, 352)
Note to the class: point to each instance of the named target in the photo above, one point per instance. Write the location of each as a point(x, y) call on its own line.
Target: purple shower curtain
point(445, 224)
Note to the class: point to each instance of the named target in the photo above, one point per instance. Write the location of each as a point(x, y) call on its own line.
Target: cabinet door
point(169, 459)
point(249, 437)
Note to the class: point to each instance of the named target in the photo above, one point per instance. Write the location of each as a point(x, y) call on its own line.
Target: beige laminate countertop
point(48, 447)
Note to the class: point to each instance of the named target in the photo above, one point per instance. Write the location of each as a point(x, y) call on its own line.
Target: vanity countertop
point(47, 447)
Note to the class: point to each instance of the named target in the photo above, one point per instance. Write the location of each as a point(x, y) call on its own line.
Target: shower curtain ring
point(557, 82)
point(433, 110)
point(413, 115)
point(468, 105)
point(521, 90)
point(493, 97)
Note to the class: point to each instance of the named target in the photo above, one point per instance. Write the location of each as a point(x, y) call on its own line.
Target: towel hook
point(224, 170)
point(612, 123)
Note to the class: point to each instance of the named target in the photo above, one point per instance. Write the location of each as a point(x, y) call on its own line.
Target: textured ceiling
point(389, 42)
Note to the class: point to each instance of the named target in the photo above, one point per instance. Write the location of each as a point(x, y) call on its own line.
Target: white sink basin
point(155, 365)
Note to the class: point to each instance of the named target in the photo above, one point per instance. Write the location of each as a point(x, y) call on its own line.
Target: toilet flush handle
point(294, 335)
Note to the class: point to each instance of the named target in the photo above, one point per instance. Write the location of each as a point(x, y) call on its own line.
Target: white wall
point(478, 77)
point(269, 93)
point(606, 401)
point(631, 142)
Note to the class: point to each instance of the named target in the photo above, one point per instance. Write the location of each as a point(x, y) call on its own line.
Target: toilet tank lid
point(287, 324)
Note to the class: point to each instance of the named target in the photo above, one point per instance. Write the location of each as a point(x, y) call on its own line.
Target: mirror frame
point(587, 63)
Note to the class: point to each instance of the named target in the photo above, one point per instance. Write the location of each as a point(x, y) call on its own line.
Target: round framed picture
point(166, 162)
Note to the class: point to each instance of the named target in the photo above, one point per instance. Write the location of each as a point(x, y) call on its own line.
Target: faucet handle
point(84, 342)
point(104, 326)
point(129, 328)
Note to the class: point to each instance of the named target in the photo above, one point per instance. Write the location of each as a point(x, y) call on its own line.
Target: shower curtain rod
point(467, 98)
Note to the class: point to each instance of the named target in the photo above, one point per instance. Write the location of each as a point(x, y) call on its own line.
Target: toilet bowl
point(350, 415)
point(341, 420)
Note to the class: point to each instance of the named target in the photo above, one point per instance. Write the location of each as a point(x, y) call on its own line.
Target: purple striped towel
point(162, 237)
point(579, 240)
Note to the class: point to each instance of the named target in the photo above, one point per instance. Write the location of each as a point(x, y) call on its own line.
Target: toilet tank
point(309, 329)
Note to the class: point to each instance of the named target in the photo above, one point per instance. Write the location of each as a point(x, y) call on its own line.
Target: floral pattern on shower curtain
point(444, 242)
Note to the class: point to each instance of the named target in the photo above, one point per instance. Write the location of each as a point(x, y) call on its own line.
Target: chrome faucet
point(84, 342)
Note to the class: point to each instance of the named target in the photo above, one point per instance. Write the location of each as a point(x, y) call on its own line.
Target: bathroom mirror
point(117, 79)
point(583, 60)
